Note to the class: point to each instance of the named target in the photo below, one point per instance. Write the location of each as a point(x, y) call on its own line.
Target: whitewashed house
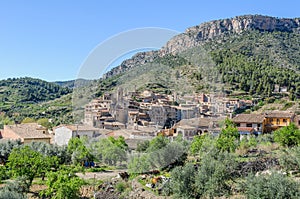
point(63, 133)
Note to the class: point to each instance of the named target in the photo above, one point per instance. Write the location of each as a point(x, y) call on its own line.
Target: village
point(140, 116)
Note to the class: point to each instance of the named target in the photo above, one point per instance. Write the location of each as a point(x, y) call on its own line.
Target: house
point(158, 114)
point(29, 132)
point(187, 132)
point(255, 121)
point(113, 125)
point(203, 125)
point(245, 131)
point(63, 133)
point(265, 122)
point(277, 119)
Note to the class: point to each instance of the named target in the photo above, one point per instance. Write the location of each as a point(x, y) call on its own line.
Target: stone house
point(29, 132)
point(255, 121)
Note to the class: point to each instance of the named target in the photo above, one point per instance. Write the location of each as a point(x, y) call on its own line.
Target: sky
point(52, 39)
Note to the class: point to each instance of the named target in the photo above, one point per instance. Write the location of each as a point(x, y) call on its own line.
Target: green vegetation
point(255, 61)
point(224, 166)
point(28, 90)
point(274, 186)
point(227, 140)
point(32, 99)
point(27, 163)
point(62, 184)
point(288, 135)
point(55, 166)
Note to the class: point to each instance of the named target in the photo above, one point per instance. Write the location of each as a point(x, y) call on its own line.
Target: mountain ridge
point(197, 35)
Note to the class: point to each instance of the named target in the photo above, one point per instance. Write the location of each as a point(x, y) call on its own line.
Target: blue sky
point(51, 39)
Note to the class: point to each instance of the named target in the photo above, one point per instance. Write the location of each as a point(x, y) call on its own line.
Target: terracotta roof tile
point(279, 114)
point(249, 118)
point(29, 130)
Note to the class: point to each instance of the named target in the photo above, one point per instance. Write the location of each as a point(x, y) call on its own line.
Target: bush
point(207, 180)
point(288, 136)
point(183, 181)
point(290, 159)
point(214, 174)
point(62, 184)
point(227, 140)
point(121, 187)
point(275, 186)
point(197, 144)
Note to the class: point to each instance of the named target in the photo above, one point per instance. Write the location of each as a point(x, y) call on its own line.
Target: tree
point(62, 184)
point(27, 163)
point(28, 120)
point(139, 164)
point(12, 190)
point(109, 151)
point(169, 156)
point(51, 150)
point(44, 122)
point(166, 158)
point(197, 144)
point(143, 146)
point(214, 172)
point(290, 159)
point(275, 186)
point(119, 142)
point(183, 181)
point(288, 136)
point(6, 147)
point(157, 143)
point(79, 152)
point(228, 137)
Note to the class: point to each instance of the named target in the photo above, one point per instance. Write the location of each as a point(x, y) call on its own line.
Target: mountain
point(26, 97)
point(78, 83)
point(250, 53)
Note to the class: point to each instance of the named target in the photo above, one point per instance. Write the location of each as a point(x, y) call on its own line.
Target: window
point(249, 125)
point(285, 120)
point(238, 124)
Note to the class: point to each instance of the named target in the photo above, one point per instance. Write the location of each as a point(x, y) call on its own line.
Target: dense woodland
point(254, 62)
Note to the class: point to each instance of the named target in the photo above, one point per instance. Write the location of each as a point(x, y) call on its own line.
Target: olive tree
point(27, 163)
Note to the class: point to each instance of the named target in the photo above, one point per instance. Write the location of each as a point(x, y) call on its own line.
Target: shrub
point(290, 159)
point(288, 136)
point(12, 190)
point(275, 186)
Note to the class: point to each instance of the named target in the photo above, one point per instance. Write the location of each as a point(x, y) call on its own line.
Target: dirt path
point(105, 175)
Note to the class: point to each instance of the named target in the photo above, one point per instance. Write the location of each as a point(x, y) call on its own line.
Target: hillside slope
point(251, 53)
point(23, 97)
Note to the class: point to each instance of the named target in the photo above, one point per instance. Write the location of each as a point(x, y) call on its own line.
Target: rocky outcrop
point(196, 35)
point(138, 59)
point(208, 31)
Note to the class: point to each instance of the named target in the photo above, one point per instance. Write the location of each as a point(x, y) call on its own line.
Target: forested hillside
point(252, 62)
point(256, 61)
point(29, 97)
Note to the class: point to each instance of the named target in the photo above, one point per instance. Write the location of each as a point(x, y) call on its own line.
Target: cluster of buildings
point(139, 116)
point(146, 108)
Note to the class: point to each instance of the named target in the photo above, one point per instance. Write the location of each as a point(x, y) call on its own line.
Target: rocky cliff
point(208, 31)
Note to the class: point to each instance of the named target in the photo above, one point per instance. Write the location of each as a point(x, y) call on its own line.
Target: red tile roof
point(245, 129)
